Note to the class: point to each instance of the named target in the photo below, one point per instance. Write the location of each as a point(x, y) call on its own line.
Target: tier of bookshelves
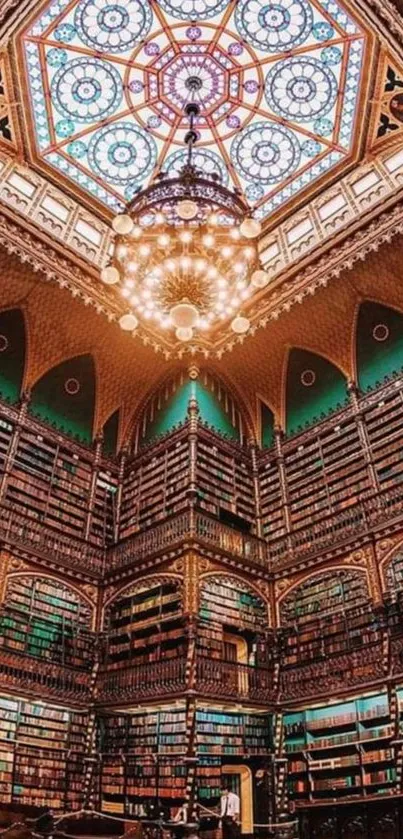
point(383, 421)
point(155, 486)
point(41, 754)
point(224, 481)
point(45, 619)
point(328, 614)
point(271, 500)
point(341, 750)
point(146, 625)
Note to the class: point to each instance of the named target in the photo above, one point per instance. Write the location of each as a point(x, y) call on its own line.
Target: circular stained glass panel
point(274, 26)
point(122, 153)
point(193, 10)
point(301, 89)
point(113, 27)
point(265, 153)
point(86, 89)
point(205, 160)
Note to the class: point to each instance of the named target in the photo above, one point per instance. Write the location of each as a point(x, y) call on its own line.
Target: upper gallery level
point(190, 466)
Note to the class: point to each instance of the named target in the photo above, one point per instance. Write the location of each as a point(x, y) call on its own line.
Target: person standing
point(230, 814)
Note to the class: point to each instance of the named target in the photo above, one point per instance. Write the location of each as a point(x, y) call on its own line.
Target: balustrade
point(158, 678)
point(44, 678)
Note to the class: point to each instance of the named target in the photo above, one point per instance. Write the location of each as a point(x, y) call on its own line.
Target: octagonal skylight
point(278, 82)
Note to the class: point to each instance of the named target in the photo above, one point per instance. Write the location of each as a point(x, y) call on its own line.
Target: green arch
point(308, 405)
point(267, 426)
point(378, 360)
point(174, 412)
point(12, 354)
point(71, 413)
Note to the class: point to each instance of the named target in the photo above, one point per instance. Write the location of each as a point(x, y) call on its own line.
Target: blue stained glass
point(65, 128)
point(274, 27)
point(66, 32)
point(86, 89)
point(322, 31)
point(56, 58)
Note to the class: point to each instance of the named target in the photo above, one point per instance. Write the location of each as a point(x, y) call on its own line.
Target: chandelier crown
point(180, 254)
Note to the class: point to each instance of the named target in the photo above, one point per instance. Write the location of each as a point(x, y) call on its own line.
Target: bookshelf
point(224, 480)
point(232, 734)
point(145, 625)
point(155, 485)
point(383, 418)
point(341, 750)
point(141, 759)
point(41, 754)
point(228, 601)
point(44, 619)
point(271, 500)
point(327, 615)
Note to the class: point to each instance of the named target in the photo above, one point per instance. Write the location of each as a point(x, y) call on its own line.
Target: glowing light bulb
point(128, 322)
point(239, 267)
point(125, 292)
point(240, 324)
point(121, 251)
point(159, 218)
point(186, 236)
point(185, 262)
point(184, 333)
point(122, 224)
point(129, 284)
point(213, 219)
point(132, 267)
point(144, 250)
point(259, 278)
point(212, 272)
point(227, 251)
point(250, 228)
point(136, 232)
point(234, 233)
point(208, 240)
point(249, 253)
point(110, 275)
point(164, 240)
point(200, 264)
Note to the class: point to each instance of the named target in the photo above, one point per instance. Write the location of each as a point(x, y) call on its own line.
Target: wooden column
point(256, 484)
point(119, 495)
point(278, 438)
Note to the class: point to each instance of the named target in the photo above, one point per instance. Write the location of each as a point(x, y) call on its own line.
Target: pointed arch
point(65, 397)
point(314, 388)
point(311, 595)
point(12, 354)
point(167, 408)
point(378, 344)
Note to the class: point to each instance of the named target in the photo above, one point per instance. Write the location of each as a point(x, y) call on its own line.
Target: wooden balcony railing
point(189, 525)
point(218, 679)
point(161, 678)
point(356, 520)
point(230, 680)
point(43, 677)
point(21, 531)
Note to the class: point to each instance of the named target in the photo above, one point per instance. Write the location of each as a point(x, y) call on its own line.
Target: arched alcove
point(12, 354)
point(379, 344)
point(393, 573)
point(314, 389)
point(321, 595)
point(65, 397)
point(47, 619)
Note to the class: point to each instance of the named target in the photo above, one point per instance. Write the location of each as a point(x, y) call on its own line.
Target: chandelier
point(185, 254)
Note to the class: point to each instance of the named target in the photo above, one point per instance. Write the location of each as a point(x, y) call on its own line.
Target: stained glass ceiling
point(278, 82)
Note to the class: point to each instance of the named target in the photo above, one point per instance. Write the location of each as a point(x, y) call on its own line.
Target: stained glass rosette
point(277, 81)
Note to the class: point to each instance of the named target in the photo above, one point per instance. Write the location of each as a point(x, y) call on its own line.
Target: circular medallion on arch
point(265, 153)
point(87, 89)
point(72, 386)
point(274, 25)
point(4, 343)
point(308, 378)
point(301, 89)
point(380, 332)
point(114, 26)
point(193, 10)
point(122, 153)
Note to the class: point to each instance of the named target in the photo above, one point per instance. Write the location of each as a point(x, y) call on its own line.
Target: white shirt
point(230, 805)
